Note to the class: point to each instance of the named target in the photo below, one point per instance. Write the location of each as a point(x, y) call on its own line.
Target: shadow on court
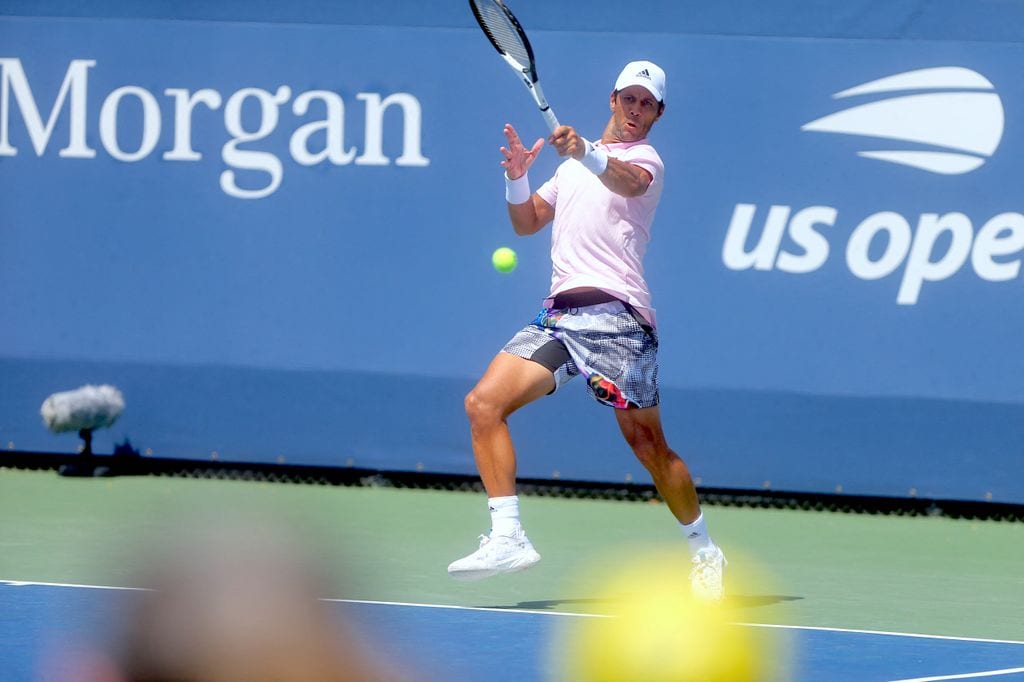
point(753, 601)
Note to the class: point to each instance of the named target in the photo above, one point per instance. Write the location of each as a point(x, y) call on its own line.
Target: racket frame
point(527, 72)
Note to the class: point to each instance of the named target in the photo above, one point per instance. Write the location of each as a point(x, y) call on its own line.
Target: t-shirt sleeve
point(549, 190)
point(646, 157)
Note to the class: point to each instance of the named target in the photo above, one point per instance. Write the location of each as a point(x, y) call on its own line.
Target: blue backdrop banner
point(279, 236)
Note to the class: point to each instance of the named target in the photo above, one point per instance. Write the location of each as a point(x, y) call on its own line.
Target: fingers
point(561, 136)
point(512, 136)
point(517, 159)
point(567, 142)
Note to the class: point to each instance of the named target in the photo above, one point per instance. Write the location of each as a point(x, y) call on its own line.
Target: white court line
point(885, 633)
point(26, 583)
point(987, 673)
point(492, 609)
point(19, 583)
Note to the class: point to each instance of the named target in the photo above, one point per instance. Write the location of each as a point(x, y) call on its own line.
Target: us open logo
point(950, 123)
point(946, 120)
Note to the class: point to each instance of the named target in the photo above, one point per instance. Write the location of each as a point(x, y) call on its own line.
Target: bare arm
point(625, 179)
point(532, 215)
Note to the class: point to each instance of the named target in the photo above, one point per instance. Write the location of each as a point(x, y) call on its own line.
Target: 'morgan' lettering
point(185, 109)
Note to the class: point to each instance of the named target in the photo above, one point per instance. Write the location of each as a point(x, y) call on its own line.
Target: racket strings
point(502, 31)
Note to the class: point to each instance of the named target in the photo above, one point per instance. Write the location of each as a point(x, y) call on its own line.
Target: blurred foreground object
point(240, 606)
point(655, 630)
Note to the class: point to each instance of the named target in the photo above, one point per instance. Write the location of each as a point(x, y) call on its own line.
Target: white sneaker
point(707, 574)
point(497, 554)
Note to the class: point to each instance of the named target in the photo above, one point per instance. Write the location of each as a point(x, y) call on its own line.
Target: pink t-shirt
point(599, 238)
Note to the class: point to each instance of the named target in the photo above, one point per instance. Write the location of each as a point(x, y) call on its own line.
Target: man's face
point(634, 111)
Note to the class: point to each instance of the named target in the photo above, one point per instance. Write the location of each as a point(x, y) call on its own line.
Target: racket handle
point(549, 118)
point(542, 104)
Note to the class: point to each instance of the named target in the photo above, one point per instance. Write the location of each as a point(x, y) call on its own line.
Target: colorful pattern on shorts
point(606, 343)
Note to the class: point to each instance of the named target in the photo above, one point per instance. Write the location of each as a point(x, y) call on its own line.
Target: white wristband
point(595, 160)
point(517, 191)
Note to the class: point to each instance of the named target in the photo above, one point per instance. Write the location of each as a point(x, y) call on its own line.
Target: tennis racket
point(508, 37)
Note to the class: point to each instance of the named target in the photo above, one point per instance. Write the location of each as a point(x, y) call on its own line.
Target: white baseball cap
point(647, 74)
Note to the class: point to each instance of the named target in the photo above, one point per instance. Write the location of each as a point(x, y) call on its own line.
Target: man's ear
point(611, 100)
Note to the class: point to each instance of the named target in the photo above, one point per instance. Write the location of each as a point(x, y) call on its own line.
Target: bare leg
point(509, 383)
point(642, 430)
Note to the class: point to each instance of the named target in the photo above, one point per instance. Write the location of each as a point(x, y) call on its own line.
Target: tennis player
point(597, 321)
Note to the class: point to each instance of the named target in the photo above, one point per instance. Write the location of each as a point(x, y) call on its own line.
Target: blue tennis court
point(43, 620)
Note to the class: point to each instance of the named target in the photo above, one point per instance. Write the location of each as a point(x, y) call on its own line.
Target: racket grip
point(542, 104)
point(549, 118)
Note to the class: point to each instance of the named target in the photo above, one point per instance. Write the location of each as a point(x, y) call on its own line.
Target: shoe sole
point(481, 574)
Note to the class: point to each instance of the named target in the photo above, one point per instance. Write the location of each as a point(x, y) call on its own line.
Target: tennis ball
point(504, 259)
point(653, 629)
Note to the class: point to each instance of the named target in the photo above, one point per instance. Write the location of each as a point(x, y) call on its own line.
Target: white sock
point(697, 534)
point(504, 515)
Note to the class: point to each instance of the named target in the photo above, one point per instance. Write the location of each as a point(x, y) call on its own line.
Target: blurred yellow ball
point(656, 631)
point(504, 259)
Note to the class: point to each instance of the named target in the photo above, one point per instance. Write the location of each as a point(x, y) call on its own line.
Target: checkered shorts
point(612, 346)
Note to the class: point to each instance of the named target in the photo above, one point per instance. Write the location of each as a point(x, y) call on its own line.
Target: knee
point(643, 440)
point(481, 410)
point(654, 453)
point(662, 461)
point(653, 458)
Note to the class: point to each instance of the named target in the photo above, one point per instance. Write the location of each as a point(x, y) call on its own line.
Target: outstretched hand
point(518, 158)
